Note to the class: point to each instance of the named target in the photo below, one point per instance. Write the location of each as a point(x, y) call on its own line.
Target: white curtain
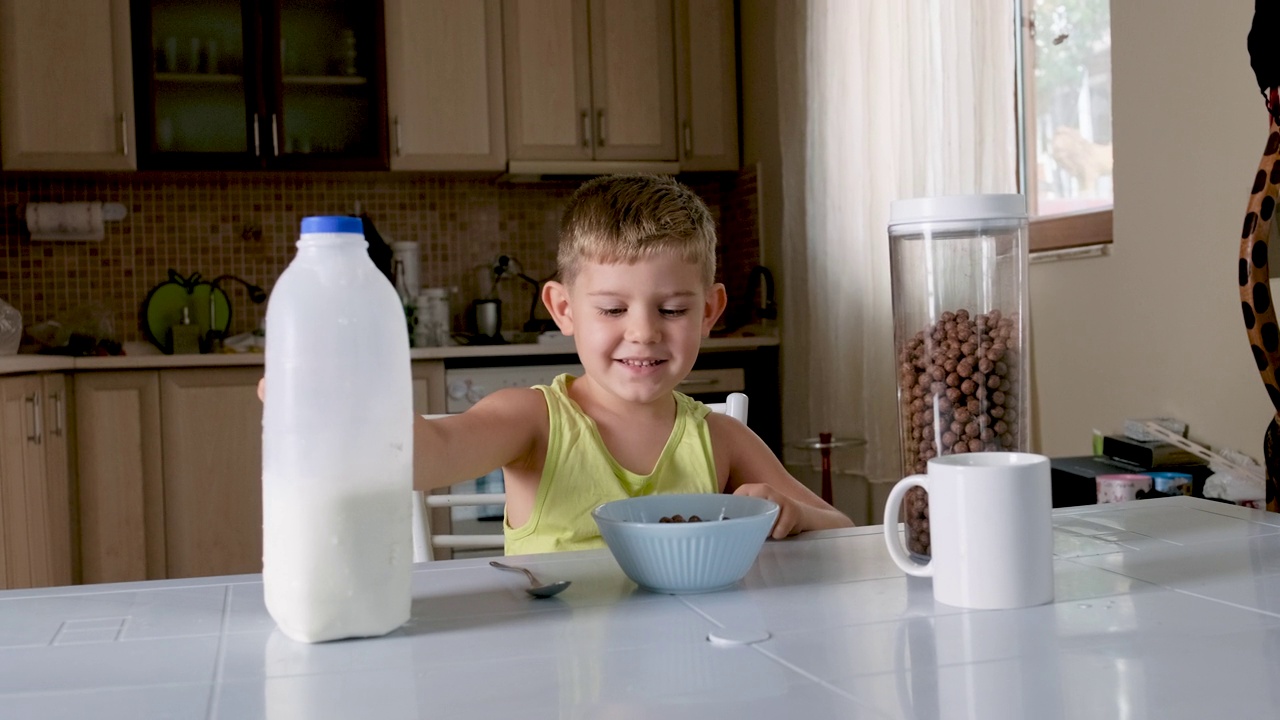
point(879, 100)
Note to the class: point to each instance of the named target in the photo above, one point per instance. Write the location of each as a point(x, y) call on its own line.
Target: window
point(1065, 121)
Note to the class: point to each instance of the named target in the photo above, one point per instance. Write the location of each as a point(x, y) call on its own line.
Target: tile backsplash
point(245, 224)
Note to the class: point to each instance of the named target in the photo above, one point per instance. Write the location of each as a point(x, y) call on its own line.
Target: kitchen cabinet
point(211, 437)
point(66, 85)
point(589, 80)
point(444, 85)
point(428, 387)
point(121, 491)
point(707, 84)
point(35, 507)
point(170, 473)
point(246, 84)
point(170, 467)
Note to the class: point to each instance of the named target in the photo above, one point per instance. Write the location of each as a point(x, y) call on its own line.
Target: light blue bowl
point(681, 558)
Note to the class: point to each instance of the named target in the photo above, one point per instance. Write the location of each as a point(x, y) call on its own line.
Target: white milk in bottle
point(337, 442)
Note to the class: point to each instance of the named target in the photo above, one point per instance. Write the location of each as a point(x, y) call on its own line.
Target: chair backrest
point(425, 543)
point(735, 406)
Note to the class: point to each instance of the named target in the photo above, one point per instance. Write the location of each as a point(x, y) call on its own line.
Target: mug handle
point(892, 539)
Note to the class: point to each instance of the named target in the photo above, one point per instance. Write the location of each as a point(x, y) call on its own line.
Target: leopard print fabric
point(1255, 289)
point(1255, 235)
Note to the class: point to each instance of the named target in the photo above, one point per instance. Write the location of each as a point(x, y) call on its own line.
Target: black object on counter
point(760, 285)
point(379, 251)
point(486, 322)
point(1150, 454)
point(1074, 479)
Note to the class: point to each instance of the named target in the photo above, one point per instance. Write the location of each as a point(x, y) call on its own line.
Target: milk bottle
point(337, 442)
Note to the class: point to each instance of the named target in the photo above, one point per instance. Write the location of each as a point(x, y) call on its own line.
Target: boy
point(636, 291)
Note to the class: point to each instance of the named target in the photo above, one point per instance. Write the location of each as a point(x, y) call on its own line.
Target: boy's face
point(637, 327)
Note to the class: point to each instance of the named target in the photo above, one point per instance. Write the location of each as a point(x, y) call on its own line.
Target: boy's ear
point(713, 307)
point(555, 296)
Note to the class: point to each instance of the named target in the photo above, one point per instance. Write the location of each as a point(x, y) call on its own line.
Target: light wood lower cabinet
point(211, 435)
point(170, 469)
point(35, 508)
point(121, 489)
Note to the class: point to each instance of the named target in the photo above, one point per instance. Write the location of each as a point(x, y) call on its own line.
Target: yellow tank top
point(580, 474)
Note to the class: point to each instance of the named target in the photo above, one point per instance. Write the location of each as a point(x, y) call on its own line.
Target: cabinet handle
point(36, 431)
point(703, 382)
point(124, 134)
point(257, 151)
point(59, 413)
point(586, 129)
point(600, 128)
point(688, 140)
point(397, 125)
point(275, 139)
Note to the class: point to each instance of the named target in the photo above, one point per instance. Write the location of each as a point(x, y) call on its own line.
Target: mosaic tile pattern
point(245, 224)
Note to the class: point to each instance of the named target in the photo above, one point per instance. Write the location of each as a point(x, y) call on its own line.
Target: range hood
point(542, 170)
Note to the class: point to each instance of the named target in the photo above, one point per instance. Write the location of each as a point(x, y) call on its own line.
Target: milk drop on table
point(337, 442)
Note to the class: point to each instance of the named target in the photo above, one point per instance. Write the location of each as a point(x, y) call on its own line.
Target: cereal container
point(959, 277)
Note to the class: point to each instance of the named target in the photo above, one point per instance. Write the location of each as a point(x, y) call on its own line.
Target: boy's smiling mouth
point(640, 362)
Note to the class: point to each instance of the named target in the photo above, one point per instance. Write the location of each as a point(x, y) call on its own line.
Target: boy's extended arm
point(755, 470)
point(504, 428)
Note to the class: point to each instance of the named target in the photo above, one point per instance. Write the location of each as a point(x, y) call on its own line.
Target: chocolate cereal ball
point(957, 392)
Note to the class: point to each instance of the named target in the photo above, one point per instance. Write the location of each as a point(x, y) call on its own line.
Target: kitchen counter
point(14, 364)
point(1164, 608)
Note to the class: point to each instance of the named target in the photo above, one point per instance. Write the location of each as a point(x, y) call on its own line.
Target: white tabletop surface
point(1165, 609)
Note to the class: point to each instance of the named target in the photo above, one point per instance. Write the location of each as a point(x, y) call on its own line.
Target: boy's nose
point(643, 328)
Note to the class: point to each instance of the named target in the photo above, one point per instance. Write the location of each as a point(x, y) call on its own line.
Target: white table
point(1166, 609)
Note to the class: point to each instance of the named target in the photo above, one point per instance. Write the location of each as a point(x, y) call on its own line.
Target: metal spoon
point(536, 588)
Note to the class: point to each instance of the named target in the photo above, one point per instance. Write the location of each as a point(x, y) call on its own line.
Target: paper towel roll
point(65, 221)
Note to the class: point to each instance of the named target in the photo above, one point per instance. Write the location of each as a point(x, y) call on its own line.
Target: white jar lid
point(980, 209)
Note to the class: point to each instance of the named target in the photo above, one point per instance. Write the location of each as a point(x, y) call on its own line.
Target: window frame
point(1046, 232)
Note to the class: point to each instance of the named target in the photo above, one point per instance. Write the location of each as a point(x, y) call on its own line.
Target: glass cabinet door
point(330, 103)
point(244, 84)
point(194, 89)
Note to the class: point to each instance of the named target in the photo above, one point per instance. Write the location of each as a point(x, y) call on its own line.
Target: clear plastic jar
point(959, 276)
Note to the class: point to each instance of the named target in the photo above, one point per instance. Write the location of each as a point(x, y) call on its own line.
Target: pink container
point(1122, 487)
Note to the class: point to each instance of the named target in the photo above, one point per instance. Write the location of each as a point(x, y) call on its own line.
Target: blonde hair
point(626, 218)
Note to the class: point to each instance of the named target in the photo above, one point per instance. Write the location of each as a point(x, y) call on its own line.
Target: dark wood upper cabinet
point(260, 84)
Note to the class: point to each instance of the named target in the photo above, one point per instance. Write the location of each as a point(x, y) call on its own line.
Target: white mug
point(991, 529)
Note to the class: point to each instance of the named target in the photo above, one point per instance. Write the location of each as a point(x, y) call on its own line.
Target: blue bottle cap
point(332, 224)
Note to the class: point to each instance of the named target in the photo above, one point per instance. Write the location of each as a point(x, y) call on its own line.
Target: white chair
point(425, 544)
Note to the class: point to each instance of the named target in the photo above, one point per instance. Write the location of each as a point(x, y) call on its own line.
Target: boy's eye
point(612, 312)
point(673, 312)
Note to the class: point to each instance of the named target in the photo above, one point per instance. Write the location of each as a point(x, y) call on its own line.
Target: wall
point(246, 224)
point(1155, 328)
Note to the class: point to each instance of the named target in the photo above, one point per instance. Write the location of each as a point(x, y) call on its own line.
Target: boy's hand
point(262, 389)
point(790, 512)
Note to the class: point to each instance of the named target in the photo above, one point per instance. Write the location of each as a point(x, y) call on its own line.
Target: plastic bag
point(83, 330)
point(1242, 488)
point(10, 329)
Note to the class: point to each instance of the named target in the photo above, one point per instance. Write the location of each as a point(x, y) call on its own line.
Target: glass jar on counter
point(959, 281)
